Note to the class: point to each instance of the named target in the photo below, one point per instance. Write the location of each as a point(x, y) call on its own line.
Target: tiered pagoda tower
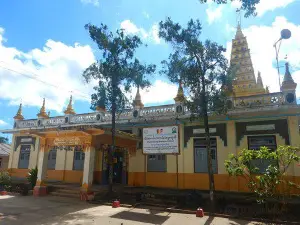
point(245, 83)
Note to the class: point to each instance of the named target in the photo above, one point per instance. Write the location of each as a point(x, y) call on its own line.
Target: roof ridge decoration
point(42, 113)
point(180, 94)
point(19, 115)
point(70, 110)
point(137, 102)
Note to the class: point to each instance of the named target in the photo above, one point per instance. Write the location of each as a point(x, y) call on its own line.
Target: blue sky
point(46, 40)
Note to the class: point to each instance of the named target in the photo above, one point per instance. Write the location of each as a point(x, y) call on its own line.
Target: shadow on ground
point(141, 217)
point(31, 210)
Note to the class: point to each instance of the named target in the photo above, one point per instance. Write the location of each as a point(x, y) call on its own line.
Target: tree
point(271, 183)
point(4, 140)
point(249, 6)
point(116, 71)
point(203, 69)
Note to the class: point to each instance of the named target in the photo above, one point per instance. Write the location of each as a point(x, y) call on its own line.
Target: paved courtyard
point(56, 210)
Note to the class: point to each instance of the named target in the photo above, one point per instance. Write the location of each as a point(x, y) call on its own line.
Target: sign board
point(202, 130)
point(66, 141)
point(24, 140)
point(160, 140)
point(260, 127)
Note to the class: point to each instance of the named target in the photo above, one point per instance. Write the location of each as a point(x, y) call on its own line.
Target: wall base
point(40, 191)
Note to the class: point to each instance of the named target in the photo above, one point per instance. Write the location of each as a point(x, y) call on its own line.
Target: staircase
point(66, 191)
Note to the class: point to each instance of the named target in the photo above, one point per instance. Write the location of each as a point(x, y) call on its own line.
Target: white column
point(40, 187)
point(12, 150)
point(88, 169)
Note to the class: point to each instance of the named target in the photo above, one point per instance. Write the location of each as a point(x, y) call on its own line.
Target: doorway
point(52, 159)
point(118, 162)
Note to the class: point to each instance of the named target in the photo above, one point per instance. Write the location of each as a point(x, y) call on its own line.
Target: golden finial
point(42, 113)
point(70, 109)
point(288, 83)
point(101, 108)
point(259, 80)
point(267, 90)
point(180, 95)
point(19, 115)
point(137, 102)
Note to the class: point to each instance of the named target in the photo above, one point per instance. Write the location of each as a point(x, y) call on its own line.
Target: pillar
point(231, 148)
point(293, 126)
point(40, 188)
point(12, 150)
point(88, 169)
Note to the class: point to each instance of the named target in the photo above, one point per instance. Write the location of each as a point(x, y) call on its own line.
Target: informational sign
point(160, 140)
point(202, 130)
point(260, 127)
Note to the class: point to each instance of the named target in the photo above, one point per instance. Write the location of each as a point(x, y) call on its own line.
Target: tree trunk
point(113, 136)
point(208, 147)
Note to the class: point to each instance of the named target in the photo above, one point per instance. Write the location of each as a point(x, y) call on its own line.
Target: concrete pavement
point(50, 210)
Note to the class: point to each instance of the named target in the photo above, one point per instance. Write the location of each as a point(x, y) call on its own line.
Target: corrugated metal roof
point(4, 149)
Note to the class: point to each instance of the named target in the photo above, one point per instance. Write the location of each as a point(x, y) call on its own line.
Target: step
point(71, 191)
point(67, 195)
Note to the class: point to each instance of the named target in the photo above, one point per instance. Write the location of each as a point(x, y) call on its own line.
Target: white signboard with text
point(160, 140)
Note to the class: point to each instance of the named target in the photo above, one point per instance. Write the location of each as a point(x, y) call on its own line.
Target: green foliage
point(32, 176)
point(117, 70)
point(203, 69)
point(4, 140)
point(5, 180)
point(201, 66)
point(249, 6)
point(272, 183)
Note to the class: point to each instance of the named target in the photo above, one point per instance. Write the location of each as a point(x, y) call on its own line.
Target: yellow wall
point(187, 179)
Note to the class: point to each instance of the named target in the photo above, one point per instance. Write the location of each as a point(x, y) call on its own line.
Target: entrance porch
point(79, 157)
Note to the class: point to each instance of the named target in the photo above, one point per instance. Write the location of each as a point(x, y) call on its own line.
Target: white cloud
point(3, 123)
point(151, 35)
point(213, 13)
point(94, 2)
point(160, 92)
point(236, 4)
point(129, 27)
point(260, 41)
point(270, 5)
point(60, 65)
point(56, 63)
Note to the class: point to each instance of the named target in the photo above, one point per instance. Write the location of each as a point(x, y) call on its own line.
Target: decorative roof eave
point(122, 134)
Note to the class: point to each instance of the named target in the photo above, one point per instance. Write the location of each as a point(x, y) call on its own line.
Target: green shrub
point(5, 180)
point(32, 176)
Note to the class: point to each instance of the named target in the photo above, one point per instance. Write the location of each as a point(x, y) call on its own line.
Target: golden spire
point(180, 95)
point(245, 83)
point(137, 102)
point(42, 113)
point(70, 109)
point(19, 115)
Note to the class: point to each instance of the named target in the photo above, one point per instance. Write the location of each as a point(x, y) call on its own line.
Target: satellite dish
point(285, 34)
